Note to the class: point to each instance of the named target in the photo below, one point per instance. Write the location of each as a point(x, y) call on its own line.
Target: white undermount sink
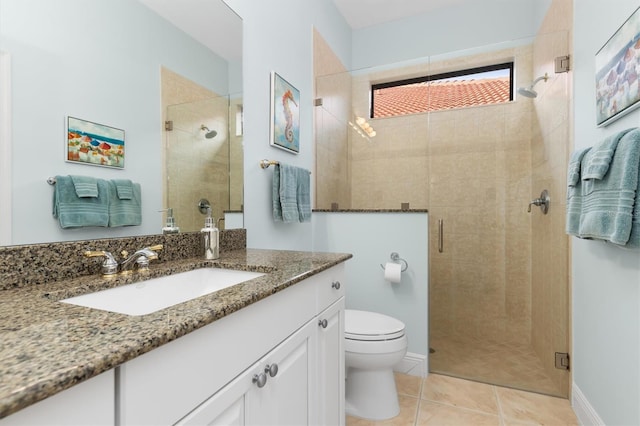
point(148, 296)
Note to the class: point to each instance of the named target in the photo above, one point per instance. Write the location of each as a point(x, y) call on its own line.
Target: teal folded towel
point(608, 203)
point(574, 192)
point(73, 211)
point(575, 163)
point(634, 237)
point(291, 194)
point(303, 194)
point(85, 186)
point(124, 188)
point(600, 156)
point(125, 212)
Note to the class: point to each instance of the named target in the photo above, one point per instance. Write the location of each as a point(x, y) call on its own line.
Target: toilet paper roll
point(392, 272)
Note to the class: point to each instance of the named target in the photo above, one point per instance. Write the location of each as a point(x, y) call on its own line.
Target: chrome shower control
point(542, 202)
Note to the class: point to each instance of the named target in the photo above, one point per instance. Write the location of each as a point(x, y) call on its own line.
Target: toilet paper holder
point(396, 258)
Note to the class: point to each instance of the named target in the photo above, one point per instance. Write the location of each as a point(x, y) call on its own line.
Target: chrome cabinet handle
point(260, 379)
point(323, 323)
point(271, 369)
point(336, 285)
point(440, 235)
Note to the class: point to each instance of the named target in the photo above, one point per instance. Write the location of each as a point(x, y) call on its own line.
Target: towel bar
point(51, 180)
point(266, 163)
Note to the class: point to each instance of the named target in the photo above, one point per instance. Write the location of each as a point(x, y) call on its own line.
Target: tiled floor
point(444, 400)
point(500, 363)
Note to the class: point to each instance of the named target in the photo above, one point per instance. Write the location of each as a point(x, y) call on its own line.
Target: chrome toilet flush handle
point(542, 202)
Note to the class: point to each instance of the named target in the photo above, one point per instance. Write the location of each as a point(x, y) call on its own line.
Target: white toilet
point(374, 343)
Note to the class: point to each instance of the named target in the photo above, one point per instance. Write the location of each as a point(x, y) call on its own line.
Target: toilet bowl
point(374, 343)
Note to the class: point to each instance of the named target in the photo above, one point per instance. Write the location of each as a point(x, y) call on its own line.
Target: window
point(471, 87)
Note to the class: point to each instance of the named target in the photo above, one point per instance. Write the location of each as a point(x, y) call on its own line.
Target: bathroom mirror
point(102, 61)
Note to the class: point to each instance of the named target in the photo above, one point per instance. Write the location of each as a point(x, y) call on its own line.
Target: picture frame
point(285, 115)
point(94, 144)
point(618, 73)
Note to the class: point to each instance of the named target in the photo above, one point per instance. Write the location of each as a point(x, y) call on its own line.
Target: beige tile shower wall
point(195, 166)
point(333, 86)
point(550, 150)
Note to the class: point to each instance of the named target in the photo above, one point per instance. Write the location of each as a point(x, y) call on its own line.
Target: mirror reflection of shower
point(210, 134)
point(528, 91)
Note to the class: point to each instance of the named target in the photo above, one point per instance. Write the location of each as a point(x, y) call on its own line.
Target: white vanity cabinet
point(88, 403)
point(330, 365)
point(218, 374)
point(273, 391)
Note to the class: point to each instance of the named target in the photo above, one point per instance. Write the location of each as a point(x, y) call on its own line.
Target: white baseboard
point(586, 414)
point(413, 365)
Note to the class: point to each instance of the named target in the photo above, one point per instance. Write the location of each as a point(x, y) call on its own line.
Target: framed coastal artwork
point(94, 144)
point(285, 115)
point(618, 72)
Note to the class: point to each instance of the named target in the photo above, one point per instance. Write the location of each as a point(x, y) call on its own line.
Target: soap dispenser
point(210, 238)
point(170, 226)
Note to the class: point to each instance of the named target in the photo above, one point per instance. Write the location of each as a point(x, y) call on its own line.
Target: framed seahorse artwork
point(285, 115)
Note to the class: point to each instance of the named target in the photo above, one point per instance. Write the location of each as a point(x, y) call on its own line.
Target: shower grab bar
point(440, 235)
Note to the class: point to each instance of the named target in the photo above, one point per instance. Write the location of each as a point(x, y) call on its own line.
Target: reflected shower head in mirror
point(528, 91)
point(210, 133)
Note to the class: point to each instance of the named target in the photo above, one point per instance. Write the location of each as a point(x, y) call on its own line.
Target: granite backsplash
point(49, 262)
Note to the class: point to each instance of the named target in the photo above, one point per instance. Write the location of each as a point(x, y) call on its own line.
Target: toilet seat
point(371, 326)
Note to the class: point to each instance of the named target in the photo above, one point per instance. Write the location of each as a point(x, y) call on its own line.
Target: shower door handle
point(440, 235)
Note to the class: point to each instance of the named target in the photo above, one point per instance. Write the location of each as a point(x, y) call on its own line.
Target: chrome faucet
point(140, 258)
point(109, 265)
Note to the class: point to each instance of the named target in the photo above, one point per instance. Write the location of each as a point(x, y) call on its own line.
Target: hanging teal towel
point(85, 186)
point(574, 193)
point(291, 194)
point(125, 212)
point(124, 188)
point(600, 157)
point(634, 237)
point(575, 163)
point(608, 203)
point(73, 211)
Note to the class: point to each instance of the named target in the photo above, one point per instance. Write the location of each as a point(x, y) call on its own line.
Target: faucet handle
point(110, 264)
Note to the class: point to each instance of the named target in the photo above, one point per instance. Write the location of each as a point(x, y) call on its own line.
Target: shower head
point(210, 133)
point(528, 91)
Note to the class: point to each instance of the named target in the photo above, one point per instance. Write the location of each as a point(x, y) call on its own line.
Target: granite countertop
point(47, 346)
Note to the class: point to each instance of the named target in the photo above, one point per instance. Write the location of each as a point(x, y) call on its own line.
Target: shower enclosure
point(498, 275)
point(203, 160)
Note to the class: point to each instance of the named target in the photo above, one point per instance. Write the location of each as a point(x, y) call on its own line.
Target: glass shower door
point(498, 274)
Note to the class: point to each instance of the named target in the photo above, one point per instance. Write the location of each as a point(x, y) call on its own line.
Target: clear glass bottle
point(210, 238)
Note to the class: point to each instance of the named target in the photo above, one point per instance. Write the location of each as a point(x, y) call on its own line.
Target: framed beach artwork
point(285, 115)
point(94, 144)
point(618, 72)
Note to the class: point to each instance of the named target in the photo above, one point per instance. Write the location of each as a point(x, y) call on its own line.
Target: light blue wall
point(278, 36)
point(446, 30)
point(100, 61)
point(606, 280)
point(371, 237)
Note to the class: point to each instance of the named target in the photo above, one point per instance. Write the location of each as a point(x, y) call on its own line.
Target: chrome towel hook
point(396, 258)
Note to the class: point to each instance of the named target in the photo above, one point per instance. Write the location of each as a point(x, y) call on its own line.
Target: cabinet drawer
point(330, 286)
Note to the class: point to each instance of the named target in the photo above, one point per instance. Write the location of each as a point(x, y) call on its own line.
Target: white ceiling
point(365, 13)
point(212, 23)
